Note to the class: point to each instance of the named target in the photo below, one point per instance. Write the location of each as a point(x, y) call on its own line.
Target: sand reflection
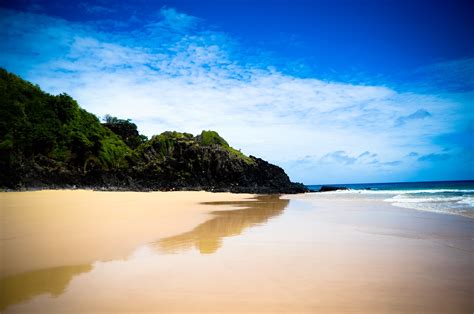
point(22, 287)
point(207, 237)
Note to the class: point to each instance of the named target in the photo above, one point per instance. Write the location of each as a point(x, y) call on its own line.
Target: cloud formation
point(176, 73)
point(420, 114)
point(434, 157)
point(94, 9)
point(448, 75)
point(339, 156)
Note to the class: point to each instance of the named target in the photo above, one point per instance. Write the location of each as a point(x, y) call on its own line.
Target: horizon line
point(434, 181)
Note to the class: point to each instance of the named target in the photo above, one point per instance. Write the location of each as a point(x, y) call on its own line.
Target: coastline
point(295, 188)
point(298, 253)
point(50, 228)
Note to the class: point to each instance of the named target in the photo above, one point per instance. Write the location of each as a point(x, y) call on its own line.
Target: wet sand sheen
point(45, 229)
point(304, 254)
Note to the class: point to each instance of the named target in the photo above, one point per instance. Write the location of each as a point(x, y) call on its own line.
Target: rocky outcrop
point(175, 160)
point(175, 164)
point(330, 188)
point(48, 141)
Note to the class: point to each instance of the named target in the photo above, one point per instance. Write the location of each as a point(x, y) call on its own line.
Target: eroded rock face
point(186, 163)
point(48, 141)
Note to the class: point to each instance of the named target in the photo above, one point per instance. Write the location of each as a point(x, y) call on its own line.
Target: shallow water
point(448, 197)
point(307, 253)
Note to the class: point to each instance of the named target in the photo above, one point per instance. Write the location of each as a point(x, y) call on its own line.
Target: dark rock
point(50, 142)
point(328, 188)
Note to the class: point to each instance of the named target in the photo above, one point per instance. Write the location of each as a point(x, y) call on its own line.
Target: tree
point(126, 129)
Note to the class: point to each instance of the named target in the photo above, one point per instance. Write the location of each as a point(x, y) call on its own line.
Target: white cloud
point(174, 74)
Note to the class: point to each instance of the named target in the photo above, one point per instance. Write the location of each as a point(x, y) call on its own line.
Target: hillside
point(48, 141)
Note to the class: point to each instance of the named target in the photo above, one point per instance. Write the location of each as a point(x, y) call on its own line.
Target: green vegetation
point(47, 139)
point(36, 126)
point(162, 146)
point(211, 138)
point(126, 130)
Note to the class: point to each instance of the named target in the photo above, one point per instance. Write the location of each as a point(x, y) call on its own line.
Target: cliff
point(48, 141)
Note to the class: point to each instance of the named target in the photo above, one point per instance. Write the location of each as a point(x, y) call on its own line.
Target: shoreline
point(232, 252)
point(387, 197)
point(49, 228)
point(235, 189)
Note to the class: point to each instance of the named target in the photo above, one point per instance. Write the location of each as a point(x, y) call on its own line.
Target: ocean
point(451, 197)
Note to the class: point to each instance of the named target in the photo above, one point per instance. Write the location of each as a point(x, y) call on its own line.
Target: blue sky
point(332, 91)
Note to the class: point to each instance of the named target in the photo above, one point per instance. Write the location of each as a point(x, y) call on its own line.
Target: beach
point(84, 251)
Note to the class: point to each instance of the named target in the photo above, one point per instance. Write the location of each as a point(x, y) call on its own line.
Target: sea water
point(452, 197)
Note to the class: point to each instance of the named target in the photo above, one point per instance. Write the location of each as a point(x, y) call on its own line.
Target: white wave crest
point(458, 205)
point(396, 192)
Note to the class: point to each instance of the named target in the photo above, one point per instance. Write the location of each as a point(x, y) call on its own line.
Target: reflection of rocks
point(207, 237)
point(21, 287)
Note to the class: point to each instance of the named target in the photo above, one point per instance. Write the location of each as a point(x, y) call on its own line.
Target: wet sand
point(45, 229)
point(304, 253)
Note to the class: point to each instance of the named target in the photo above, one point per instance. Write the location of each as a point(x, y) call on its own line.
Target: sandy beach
point(95, 252)
point(45, 229)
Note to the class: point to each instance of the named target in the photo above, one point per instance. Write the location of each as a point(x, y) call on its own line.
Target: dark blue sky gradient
point(328, 36)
